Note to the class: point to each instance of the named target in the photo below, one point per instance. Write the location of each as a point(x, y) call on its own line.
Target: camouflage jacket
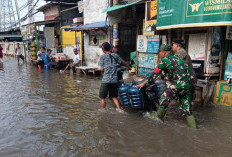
point(182, 54)
point(176, 71)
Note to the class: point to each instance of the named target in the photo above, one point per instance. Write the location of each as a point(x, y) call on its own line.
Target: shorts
point(40, 63)
point(20, 56)
point(111, 88)
point(74, 65)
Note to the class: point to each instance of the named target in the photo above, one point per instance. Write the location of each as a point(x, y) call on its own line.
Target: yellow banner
point(153, 9)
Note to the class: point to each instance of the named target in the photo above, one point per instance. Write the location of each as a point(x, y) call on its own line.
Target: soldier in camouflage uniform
point(179, 51)
point(177, 72)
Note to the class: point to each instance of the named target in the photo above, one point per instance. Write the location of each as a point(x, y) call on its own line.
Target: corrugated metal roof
point(116, 7)
point(97, 25)
point(37, 23)
point(69, 27)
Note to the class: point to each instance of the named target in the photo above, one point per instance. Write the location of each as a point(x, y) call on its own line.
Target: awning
point(38, 23)
point(92, 26)
point(67, 28)
point(116, 7)
point(2, 36)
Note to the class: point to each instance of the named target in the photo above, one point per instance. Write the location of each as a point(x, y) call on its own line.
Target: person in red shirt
point(1, 54)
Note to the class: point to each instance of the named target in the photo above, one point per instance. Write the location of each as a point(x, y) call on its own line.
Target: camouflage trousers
point(184, 97)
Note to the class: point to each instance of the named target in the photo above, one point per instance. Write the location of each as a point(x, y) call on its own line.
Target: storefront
point(93, 35)
point(45, 34)
point(127, 17)
point(203, 25)
point(70, 40)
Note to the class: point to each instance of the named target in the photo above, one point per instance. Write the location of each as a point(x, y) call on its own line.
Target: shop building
point(204, 26)
point(94, 30)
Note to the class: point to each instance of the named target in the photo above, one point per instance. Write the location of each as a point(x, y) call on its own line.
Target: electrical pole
point(30, 4)
point(20, 27)
point(7, 18)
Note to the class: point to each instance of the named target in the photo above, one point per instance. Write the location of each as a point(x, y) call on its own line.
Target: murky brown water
point(48, 114)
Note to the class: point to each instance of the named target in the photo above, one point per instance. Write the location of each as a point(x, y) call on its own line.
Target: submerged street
point(53, 114)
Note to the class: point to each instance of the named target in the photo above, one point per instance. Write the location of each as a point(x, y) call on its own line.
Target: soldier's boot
point(153, 115)
point(161, 113)
point(191, 122)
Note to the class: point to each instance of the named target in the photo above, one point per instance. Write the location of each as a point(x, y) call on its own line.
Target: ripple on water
point(48, 114)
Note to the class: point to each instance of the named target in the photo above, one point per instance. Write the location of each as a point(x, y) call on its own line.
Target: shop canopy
point(67, 28)
point(38, 23)
point(116, 7)
point(193, 13)
point(92, 26)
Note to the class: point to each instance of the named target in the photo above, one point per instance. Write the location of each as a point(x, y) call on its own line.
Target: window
point(96, 40)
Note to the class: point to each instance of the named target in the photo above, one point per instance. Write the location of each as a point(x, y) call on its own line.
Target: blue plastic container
point(122, 90)
point(160, 87)
point(135, 96)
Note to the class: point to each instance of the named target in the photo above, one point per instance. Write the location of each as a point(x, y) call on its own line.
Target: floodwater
point(53, 114)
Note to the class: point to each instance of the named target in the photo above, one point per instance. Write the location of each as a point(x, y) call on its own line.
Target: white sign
point(197, 46)
point(149, 44)
point(142, 43)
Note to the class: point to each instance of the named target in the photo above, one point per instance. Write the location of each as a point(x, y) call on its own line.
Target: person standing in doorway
point(18, 52)
point(108, 62)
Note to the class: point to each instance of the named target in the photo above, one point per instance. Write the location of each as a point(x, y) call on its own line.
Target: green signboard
point(193, 13)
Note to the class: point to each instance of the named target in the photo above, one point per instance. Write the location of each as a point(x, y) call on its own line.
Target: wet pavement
point(53, 114)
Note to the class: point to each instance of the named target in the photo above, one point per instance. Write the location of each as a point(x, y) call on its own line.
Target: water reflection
point(1, 65)
point(49, 114)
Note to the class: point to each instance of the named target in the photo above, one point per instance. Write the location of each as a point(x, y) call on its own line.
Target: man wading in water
point(108, 62)
point(18, 52)
point(181, 87)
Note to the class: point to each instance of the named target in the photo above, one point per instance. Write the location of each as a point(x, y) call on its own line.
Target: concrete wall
point(93, 10)
point(68, 51)
point(93, 13)
point(9, 49)
point(51, 13)
point(92, 53)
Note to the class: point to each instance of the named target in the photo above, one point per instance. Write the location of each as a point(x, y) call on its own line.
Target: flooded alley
point(53, 114)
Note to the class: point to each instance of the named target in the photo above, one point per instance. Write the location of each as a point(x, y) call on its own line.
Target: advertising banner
point(149, 44)
point(151, 18)
point(223, 94)
point(193, 13)
point(147, 47)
